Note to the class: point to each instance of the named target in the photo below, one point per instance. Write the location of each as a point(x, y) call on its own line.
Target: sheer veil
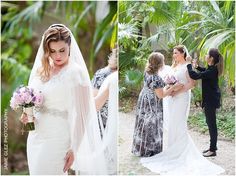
point(110, 132)
point(82, 117)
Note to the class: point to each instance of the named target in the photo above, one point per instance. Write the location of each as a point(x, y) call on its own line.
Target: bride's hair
point(181, 49)
point(154, 63)
point(55, 33)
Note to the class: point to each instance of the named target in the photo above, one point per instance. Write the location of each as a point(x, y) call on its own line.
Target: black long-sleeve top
point(210, 88)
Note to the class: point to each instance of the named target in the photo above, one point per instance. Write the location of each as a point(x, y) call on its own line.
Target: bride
point(66, 128)
point(181, 156)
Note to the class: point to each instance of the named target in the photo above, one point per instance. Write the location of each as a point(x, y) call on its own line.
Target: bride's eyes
point(53, 51)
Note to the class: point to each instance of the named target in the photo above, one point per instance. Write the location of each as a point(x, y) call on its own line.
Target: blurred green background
point(94, 25)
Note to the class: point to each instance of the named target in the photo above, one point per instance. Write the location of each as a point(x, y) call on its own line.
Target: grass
point(225, 123)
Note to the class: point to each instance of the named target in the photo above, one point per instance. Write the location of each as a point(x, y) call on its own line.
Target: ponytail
point(220, 65)
point(217, 59)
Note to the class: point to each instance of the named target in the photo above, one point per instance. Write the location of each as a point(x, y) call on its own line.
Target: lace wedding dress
point(181, 156)
point(48, 143)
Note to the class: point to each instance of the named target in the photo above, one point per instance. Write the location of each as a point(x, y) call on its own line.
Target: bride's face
point(177, 55)
point(59, 52)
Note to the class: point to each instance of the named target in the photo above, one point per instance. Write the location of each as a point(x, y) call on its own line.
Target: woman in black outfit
point(210, 93)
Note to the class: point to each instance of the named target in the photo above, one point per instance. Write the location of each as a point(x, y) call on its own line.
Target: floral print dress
point(148, 132)
point(97, 81)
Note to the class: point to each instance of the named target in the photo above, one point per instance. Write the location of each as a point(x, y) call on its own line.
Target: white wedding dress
point(48, 143)
point(56, 131)
point(181, 156)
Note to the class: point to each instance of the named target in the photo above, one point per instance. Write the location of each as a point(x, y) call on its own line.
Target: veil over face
point(82, 117)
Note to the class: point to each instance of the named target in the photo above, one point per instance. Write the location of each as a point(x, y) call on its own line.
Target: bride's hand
point(24, 118)
point(69, 159)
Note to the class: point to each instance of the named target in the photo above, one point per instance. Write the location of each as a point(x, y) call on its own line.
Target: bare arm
point(95, 92)
point(163, 92)
point(101, 98)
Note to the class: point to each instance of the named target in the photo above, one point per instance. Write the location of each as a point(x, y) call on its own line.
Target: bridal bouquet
point(27, 98)
point(170, 80)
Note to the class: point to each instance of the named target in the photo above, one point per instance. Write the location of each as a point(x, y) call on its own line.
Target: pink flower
point(38, 99)
point(170, 80)
point(13, 104)
point(17, 98)
point(25, 96)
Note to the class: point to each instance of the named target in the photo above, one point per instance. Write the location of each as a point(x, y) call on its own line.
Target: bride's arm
point(189, 85)
point(103, 93)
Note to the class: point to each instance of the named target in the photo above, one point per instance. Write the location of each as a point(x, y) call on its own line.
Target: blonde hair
point(54, 33)
point(155, 62)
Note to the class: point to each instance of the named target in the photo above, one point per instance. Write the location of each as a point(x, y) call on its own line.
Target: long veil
point(82, 117)
point(110, 131)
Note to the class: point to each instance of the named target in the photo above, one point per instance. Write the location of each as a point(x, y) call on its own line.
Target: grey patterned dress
point(148, 132)
point(97, 81)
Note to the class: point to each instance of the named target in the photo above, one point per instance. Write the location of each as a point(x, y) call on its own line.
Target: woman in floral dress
point(97, 81)
point(148, 132)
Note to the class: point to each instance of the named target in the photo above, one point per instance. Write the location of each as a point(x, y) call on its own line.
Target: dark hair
point(155, 62)
point(217, 60)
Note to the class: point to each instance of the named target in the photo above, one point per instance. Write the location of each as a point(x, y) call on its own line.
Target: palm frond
point(133, 78)
point(30, 14)
point(127, 30)
point(216, 40)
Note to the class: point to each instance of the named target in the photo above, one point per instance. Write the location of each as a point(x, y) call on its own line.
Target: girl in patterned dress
point(148, 132)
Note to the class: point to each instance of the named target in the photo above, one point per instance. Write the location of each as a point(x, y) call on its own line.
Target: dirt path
point(129, 164)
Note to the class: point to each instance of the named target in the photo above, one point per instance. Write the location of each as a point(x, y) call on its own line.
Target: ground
point(129, 164)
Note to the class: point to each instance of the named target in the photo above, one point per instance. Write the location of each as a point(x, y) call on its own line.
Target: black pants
point(210, 113)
